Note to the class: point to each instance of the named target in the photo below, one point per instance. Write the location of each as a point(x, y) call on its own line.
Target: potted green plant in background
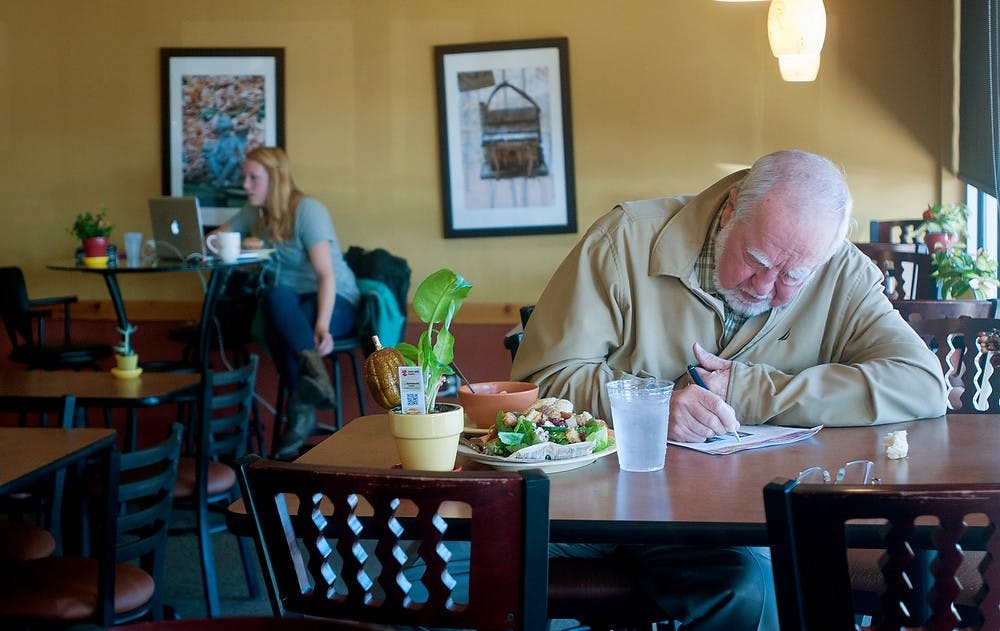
point(962, 275)
point(944, 226)
point(427, 432)
point(126, 358)
point(93, 231)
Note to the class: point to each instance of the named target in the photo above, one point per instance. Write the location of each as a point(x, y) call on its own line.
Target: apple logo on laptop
point(175, 227)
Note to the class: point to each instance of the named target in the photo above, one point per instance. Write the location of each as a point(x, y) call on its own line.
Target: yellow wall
point(666, 96)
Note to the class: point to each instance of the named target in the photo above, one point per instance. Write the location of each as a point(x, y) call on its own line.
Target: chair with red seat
point(206, 482)
point(69, 590)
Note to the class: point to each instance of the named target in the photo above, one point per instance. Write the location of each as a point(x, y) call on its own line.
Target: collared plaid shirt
point(705, 269)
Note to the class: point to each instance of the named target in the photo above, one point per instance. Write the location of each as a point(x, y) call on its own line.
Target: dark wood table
point(704, 499)
point(97, 389)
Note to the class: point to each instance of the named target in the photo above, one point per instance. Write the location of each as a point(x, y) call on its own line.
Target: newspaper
point(751, 437)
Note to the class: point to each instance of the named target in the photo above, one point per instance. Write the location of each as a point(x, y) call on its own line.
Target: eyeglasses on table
point(853, 472)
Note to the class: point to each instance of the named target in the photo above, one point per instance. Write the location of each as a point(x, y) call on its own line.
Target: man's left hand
point(713, 370)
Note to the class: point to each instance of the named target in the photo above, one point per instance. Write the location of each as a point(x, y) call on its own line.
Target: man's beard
point(734, 297)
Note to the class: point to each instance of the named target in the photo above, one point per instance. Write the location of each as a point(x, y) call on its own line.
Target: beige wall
point(666, 96)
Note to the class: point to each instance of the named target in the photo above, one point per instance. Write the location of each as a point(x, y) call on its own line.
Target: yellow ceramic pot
point(127, 362)
point(428, 442)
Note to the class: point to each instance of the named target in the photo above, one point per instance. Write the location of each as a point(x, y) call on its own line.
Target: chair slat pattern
point(968, 350)
point(342, 552)
point(809, 532)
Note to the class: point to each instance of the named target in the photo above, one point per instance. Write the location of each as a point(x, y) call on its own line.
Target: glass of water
point(640, 410)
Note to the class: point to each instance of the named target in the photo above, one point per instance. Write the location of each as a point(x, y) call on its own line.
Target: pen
point(701, 382)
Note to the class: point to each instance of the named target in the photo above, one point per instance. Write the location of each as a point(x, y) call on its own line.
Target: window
point(984, 220)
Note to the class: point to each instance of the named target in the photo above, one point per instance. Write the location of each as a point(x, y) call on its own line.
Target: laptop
point(177, 228)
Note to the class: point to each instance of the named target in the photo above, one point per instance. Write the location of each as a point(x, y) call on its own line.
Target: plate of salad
point(548, 436)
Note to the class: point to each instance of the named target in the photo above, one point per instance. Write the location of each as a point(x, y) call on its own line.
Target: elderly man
point(754, 281)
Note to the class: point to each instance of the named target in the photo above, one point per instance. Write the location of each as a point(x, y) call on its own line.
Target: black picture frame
point(218, 103)
point(506, 138)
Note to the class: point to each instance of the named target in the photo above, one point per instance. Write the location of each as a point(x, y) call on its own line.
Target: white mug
point(226, 245)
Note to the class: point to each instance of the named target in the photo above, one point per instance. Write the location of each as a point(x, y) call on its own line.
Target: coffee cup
point(225, 245)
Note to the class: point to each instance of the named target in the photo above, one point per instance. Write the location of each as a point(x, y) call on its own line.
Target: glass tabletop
point(147, 267)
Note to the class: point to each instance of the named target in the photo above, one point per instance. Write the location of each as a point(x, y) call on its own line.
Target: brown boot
point(314, 387)
point(300, 426)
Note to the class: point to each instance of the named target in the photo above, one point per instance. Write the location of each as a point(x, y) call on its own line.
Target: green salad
point(514, 431)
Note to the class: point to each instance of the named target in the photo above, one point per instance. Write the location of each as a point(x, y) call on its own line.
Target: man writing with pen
point(753, 282)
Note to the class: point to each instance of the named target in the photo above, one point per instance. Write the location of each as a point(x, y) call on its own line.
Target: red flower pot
point(95, 246)
point(939, 241)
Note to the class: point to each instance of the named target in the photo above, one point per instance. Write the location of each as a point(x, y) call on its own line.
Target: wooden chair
point(24, 320)
point(64, 590)
point(206, 481)
point(914, 310)
point(809, 540)
point(906, 270)
point(343, 564)
point(968, 360)
point(893, 230)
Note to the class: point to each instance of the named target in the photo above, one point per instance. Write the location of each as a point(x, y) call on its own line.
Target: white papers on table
point(751, 437)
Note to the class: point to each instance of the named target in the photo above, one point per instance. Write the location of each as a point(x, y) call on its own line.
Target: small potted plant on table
point(426, 432)
point(126, 358)
point(944, 226)
point(93, 232)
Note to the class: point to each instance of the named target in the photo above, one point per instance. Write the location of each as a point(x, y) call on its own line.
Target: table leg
point(216, 281)
point(111, 280)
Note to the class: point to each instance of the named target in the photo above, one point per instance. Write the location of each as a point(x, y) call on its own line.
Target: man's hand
point(697, 413)
point(714, 370)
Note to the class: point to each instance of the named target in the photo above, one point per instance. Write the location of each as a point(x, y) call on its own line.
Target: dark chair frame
point(954, 341)
point(137, 493)
point(24, 321)
point(507, 528)
point(882, 231)
point(806, 530)
point(225, 401)
point(910, 282)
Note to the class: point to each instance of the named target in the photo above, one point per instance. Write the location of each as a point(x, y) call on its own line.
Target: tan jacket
point(626, 301)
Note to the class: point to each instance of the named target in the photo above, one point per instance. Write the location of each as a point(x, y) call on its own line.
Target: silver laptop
point(177, 228)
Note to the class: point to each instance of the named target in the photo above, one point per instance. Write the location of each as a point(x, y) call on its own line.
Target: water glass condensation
point(133, 247)
point(640, 409)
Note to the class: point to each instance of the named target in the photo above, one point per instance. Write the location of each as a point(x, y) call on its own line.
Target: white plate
point(548, 466)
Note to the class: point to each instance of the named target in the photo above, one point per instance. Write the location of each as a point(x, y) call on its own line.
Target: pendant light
point(796, 30)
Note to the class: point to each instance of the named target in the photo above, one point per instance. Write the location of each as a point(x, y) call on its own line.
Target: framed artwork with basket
point(506, 138)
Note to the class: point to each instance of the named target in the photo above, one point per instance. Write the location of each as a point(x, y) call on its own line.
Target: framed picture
point(506, 138)
point(218, 103)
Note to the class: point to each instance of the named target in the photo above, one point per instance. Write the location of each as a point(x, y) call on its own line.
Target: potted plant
point(960, 274)
point(944, 226)
point(426, 431)
point(93, 231)
point(126, 358)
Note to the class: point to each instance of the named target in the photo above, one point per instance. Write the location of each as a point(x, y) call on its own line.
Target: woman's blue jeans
point(290, 317)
